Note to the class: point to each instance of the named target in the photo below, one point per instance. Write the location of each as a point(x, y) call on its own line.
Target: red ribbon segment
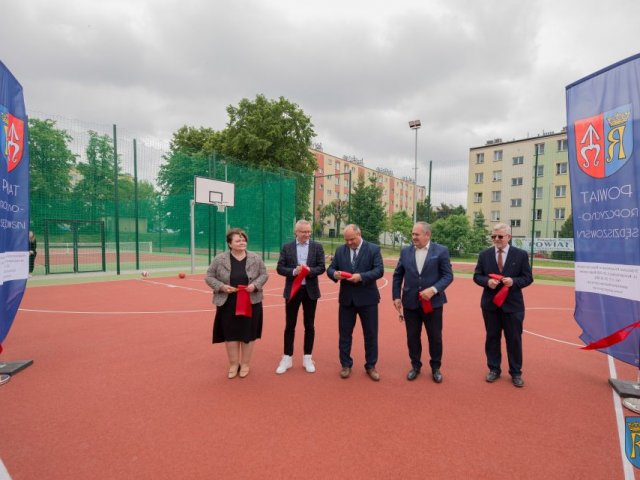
point(612, 339)
point(501, 296)
point(297, 282)
point(243, 302)
point(426, 304)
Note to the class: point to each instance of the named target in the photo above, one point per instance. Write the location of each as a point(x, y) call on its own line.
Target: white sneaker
point(285, 364)
point(308, 364)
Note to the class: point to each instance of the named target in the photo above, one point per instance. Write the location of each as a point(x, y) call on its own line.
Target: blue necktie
point(353, 257)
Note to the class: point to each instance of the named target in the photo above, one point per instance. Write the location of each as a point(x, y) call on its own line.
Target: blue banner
point(604, 168)
point(14, 199)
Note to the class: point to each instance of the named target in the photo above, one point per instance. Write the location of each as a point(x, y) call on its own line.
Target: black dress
point(32, 256)
point(227, 327)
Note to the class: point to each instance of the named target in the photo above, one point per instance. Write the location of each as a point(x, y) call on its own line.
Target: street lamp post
point(415, 125)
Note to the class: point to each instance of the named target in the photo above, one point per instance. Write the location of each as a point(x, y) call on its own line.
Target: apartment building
point(336, 177)
point(507, 187)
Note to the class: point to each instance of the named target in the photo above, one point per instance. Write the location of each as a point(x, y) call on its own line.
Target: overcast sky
point(470, 70)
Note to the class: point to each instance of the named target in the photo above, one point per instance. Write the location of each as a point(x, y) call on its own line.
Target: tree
point(400, 223)
point(479, 234)
point(367, 210)
point(339, 209)
point(50, 166)
point(455, 232)
point(96, 186)
point(566, 231)
point(444, 210)
point(425, 211)
point(273, 134)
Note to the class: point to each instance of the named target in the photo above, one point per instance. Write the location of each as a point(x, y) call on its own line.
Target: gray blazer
point(219, 274)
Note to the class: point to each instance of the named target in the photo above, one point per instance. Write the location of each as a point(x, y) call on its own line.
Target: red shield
point(14, 141)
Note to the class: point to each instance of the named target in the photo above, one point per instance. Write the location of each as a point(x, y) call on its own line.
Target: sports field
point(126, 385)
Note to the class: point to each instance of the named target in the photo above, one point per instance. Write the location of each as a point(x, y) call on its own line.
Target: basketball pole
point(192, 204)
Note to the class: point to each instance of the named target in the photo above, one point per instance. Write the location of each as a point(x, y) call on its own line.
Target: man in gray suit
point(302, 258)
point(421, 277)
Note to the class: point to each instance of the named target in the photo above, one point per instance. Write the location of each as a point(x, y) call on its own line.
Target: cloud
point(470, 71)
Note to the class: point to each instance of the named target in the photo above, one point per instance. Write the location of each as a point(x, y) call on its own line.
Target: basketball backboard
point(214, 192)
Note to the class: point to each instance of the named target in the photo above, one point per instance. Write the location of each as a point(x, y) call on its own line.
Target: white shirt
point(421, 256)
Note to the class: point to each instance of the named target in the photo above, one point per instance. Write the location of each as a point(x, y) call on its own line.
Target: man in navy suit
point(357, 265)
point(293, 256)
point(512, 265)
point(422, 275)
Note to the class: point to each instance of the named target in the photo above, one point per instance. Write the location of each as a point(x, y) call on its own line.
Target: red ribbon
point(426, 304)
point(243, 302)
point(611, 339)
point(297, 282)
point(345, 274)
point(501, 296)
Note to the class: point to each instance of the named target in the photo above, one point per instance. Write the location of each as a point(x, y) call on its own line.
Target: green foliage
point(267, 134)
point(273, 134)
point(96, 186)
point(424, 212)
point(340, 211)
point(566, 231)
point(479, 234)
point(445, 210)
point(402, 223)
point(50, 166)
point(367, 210)
point(455, 232)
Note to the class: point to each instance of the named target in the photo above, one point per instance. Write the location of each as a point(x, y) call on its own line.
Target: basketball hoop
point(220, 206)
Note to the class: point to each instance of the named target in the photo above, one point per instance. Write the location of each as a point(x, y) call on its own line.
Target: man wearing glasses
point(500, 267)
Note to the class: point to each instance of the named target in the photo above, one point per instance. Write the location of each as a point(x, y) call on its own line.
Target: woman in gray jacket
point(230, 271)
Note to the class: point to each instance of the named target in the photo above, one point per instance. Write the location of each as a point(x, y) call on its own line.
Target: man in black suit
point(357, 265)
point(511, 266)
point(422, 275)
point(297, 257)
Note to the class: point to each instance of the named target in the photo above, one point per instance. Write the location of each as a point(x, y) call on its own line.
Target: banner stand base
point(11, 368)
point(630, 393)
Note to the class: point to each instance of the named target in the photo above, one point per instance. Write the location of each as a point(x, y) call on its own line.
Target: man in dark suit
point(425, 270)
point(357, 265)
point(511, 266)
point(296, 257)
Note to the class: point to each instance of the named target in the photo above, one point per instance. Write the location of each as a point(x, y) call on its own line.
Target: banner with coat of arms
point(604, 168)
point(14, 199)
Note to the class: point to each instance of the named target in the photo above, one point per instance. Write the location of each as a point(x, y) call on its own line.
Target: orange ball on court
point(181, 275)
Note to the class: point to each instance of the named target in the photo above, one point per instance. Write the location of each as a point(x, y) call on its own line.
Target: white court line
point(163, 312)
point(617, 405)
point(551, 338)
point(4, 475)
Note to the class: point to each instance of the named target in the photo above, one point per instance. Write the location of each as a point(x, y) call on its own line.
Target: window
point(477, 197)
point(479, 177)
point(515, 223)
point(337, 180)
point(559, 214)
point(539, 171)
point(538, 234)
point(479, 158)
point(561, 190)
point(539, 148)
point(516, 181)
point(495, 215)
point(497, 155)
point(562, 145)
point(518, 160)
point(337, 194)
point(496, 196)
point(337, 165)
point(538, 214)
point(497, 175)
point(329, 192)
point(516, 202)
point(538, 192)
point(561, 168)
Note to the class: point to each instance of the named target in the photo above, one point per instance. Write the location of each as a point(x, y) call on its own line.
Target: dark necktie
point(500, 262)
point(353, 257)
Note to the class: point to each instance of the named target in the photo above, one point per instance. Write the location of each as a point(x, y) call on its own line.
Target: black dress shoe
point(413, 373)
point(518, 381)
point(437, 376)
point(492, 376)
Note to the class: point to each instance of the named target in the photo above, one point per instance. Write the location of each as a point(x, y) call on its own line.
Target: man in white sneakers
point(301, 262)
